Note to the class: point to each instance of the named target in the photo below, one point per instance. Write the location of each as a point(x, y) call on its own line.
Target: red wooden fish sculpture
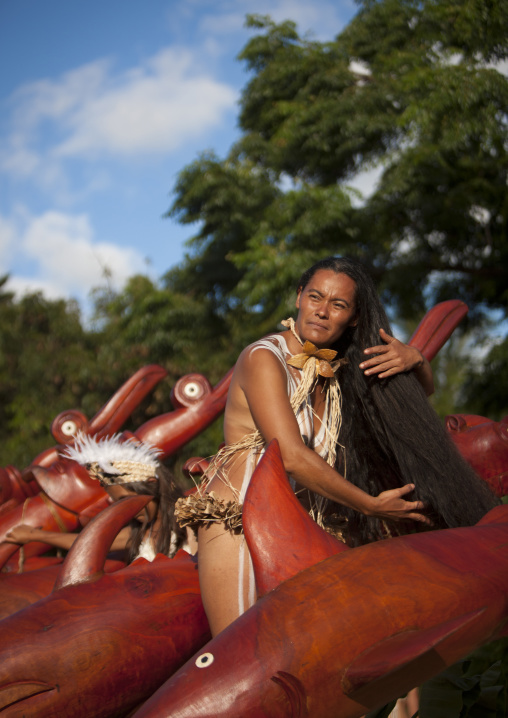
point(351, 632)
point(109, 419)
point(101, 644)
point(437, 326)
point(19, 590)
point(13, 488)
point(62, 506)
point(484, 444)
point(197, 404)
point(113, 415)
point(67, 491)
point(52, 510)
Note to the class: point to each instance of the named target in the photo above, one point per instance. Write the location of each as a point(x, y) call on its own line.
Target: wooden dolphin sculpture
point(351, 632)
point(101, 644)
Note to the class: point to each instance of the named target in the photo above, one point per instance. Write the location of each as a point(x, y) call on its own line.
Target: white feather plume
point(105, 451)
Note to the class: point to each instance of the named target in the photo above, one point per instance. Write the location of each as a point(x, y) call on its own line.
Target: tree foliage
point(485, 389)
point(46, 366)
point(411, 89)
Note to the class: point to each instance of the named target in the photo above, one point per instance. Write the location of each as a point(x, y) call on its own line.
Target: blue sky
point(103, 102)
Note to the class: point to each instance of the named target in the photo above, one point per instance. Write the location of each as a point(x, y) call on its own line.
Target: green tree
point(485, 389)
point(46, 366)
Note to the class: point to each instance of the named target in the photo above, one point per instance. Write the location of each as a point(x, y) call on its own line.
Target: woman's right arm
point(23, 534)
point(263, 382)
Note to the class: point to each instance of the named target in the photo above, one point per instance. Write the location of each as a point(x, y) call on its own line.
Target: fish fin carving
point(282, 538)
point(293, 688)
point(498, 515)
point(17, 692)
point(183, 555)
point(437, 326)
point(85, 561)
point(180, 556)
point(139, 561)
point(403, 659)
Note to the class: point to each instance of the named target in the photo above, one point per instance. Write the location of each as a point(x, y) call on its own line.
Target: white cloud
point(321, 18)
point(150, 109)
point(57, 99)
point(22, 286)
point(63, 248)
point(226, 23)
point(92, 111)
point(68, 263)
point(170, 99)
point(19, 161)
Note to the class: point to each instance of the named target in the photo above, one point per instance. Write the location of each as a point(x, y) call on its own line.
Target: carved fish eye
point(192, 389)
point(204, 660)
point(69, 428)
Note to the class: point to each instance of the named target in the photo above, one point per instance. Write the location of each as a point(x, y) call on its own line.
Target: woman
point(125, 468)
point(353, 431)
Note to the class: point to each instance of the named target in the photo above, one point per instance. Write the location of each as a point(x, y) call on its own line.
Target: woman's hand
point(23, 534)
point(395, 357)
point(391, 358)
point(391, 505)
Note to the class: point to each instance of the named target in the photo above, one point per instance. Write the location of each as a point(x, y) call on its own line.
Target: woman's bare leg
point(226, 578)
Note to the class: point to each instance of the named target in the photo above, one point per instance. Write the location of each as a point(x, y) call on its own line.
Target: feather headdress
point(113, 461)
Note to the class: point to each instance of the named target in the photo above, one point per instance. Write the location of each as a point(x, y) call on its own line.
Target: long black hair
point(165, 492)
point(390, 433)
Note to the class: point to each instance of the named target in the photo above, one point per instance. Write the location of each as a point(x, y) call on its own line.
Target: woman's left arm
point(395, 357)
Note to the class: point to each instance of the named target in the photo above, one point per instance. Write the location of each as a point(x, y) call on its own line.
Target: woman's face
point(119, 492)
point(326, 307)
